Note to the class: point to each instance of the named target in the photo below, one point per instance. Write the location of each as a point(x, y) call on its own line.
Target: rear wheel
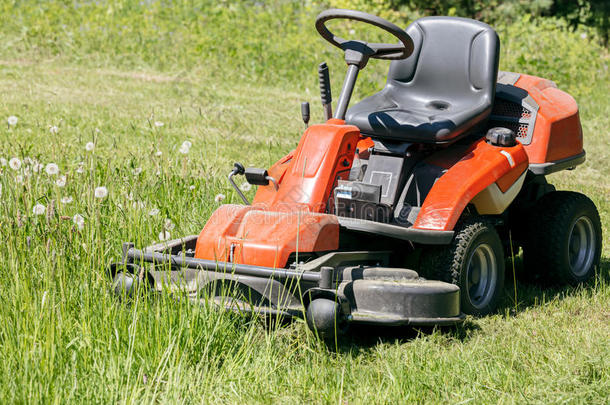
point(563, 243)
point(474, 261)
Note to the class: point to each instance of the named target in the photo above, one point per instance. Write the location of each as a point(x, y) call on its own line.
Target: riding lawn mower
point(402, 209)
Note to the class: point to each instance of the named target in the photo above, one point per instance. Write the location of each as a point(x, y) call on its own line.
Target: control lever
point(324, 77)
point(305, 112)
point(238, 168)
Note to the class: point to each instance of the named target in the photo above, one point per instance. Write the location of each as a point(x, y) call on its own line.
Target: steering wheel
point(368, 50)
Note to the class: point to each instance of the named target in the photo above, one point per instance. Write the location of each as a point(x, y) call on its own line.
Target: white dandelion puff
point(169, 225)
point(37, 167)
point(154, 212)
point(159, 124)
point(79, 221)
point(66, 200)
point(219, 198)
point(39, 209)
point(164, 235)
point(19, 179)
point(3, 162)
point(12, 120)
point(159, 153)
point(100, 192)
point(184, 149)
point(191, 187)
point(14, 163)
point(187, 144)
point(28, 161)
point(53, 129)
point(61, 181)
point(137, 171)
point(245, 186)
point(81, 168)
point(89, 146)
point(52, 169)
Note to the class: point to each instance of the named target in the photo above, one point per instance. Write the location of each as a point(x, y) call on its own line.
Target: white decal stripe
point(511, 162)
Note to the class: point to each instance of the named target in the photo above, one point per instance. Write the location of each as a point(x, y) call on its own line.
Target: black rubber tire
point(546, 248)
point(449, 263)
point(324, 317)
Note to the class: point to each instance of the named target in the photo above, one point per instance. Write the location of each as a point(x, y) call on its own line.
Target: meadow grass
point(65, 338)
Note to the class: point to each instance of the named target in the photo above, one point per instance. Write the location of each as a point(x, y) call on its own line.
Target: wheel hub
point(482, 269)
point(581, 245)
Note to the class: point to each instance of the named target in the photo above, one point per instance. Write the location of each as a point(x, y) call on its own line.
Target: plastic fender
point(243, 234)
point(483, 165)
point(324, 155)
point(211, 243)
point(557, 131)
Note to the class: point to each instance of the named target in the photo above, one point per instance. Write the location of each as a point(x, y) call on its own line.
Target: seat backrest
point(453, 58)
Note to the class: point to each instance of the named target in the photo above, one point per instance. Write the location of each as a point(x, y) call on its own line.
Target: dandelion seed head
point(37, 167)
point(245, 186)
point(154, 212)
point(219, 198)
point(3, 162)
point(12, 120)
point(89, 146)
point(66, 200)
point(137, 171)
point(169, 225)
point(53, 129)
point(164, 235)
point(19, 179)
point(61, 181)
point(52, 169)
point(159, 124)
point(79, 221)
point(100, 192)
point(191, 187)
point(158, 153)
point(14, 163)
point(39, 209)
point(184, 149)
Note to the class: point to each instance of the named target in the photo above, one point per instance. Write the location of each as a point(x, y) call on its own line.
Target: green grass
point(64, 338)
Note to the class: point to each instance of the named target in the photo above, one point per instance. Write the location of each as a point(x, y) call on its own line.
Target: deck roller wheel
point(325, 317)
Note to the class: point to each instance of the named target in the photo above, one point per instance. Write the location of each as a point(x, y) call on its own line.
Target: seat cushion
point(439, 93)
point(416, 120)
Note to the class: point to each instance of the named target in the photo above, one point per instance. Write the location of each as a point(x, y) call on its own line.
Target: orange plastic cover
point(243, 234)
point(482, 165)
point(557, 131)
point(308, 175)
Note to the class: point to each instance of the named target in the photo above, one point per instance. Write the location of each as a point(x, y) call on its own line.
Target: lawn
point(137, 80)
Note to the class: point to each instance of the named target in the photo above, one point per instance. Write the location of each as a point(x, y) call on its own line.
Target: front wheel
point(474, 261)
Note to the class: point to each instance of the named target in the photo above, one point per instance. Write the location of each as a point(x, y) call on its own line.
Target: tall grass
point(229, 79)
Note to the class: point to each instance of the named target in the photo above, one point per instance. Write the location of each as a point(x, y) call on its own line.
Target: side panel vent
point(514, 109)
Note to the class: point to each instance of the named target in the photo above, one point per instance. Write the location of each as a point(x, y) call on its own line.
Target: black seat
point(440, 92)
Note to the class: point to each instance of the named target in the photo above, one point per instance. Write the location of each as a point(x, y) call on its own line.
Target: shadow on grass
point(535, 292)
